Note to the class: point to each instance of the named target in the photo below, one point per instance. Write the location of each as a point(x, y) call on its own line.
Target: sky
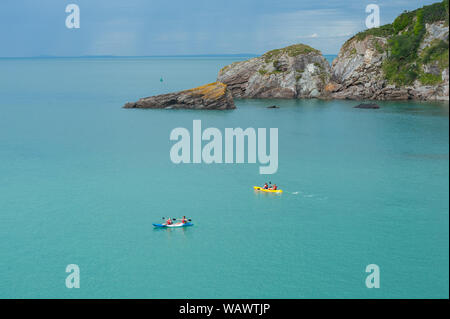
point(30, 28)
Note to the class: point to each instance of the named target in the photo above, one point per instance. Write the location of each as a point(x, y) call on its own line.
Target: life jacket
point(274, 188)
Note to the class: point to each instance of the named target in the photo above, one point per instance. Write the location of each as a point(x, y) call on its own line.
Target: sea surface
point(82, 180)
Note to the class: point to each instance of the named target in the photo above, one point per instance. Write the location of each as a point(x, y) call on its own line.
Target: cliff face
point(404, 60)
point(356, 72)
point(213, 96)
point(297, 71)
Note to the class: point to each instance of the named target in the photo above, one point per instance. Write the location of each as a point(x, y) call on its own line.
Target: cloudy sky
point(184, 27)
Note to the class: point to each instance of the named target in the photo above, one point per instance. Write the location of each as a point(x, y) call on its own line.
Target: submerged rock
point(367, 106)
point(297, 71)
point(213, 96)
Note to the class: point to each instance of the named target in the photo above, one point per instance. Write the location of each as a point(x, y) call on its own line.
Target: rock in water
point(367, 106)
point(297, 71)
point(213, 96)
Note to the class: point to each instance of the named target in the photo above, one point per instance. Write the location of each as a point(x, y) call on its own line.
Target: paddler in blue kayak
point(184, 220)
point(169, 221)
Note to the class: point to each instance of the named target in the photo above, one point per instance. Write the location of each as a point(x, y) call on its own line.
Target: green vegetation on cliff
point(438, 52)
point(292, 50)
point(404, 64)
point(428, 14)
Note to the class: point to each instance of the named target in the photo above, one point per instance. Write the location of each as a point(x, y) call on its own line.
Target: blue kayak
point(175, 225)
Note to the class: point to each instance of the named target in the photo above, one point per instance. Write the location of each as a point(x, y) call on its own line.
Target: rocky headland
point(407, 59)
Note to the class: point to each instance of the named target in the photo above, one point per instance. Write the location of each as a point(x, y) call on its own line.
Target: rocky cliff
point(297, 71)
point(213, 96)
point(407, 59)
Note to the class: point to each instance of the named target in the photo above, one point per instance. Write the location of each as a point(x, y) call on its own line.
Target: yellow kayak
point(257, 188)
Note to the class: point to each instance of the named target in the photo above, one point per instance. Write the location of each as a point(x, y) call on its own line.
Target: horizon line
point(139, 56)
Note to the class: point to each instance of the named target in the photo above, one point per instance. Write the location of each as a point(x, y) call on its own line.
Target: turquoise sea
point(82, 180)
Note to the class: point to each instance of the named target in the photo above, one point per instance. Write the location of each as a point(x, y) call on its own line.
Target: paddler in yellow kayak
point(271, 188)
